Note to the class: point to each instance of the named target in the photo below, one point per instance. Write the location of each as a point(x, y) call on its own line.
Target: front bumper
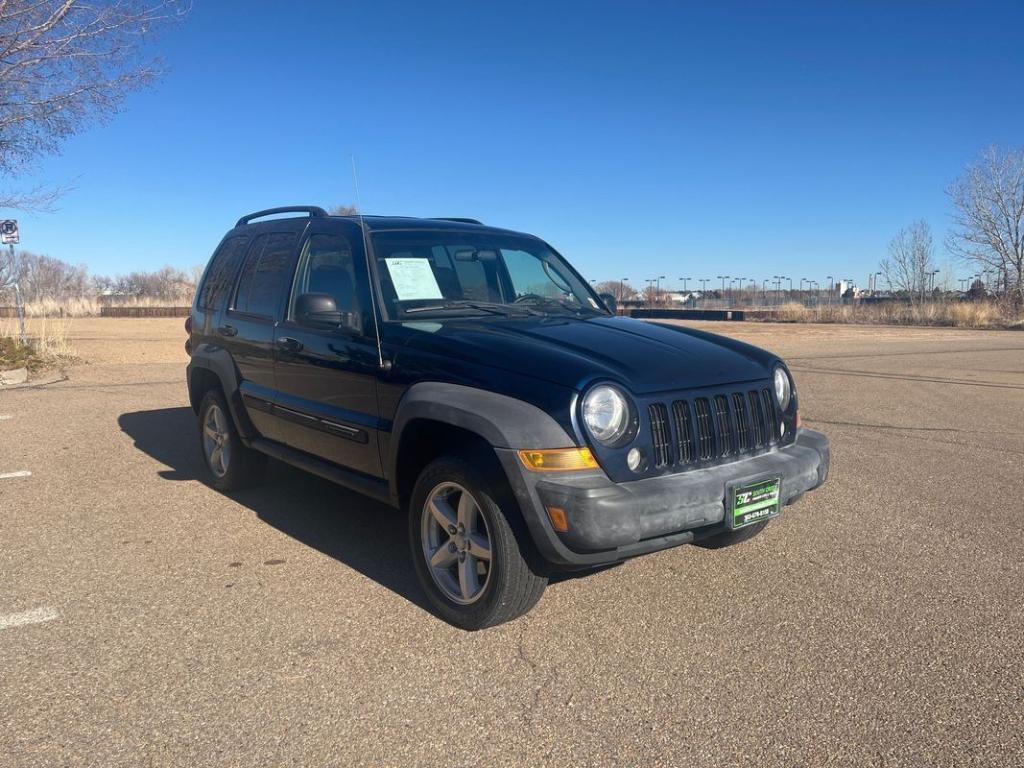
point(612, 521)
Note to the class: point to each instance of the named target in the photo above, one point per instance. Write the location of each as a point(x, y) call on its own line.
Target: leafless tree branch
point(911, 260)
point(65, 64)
point(988, 223)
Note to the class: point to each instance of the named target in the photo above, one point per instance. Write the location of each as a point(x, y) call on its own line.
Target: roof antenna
point(384, 365)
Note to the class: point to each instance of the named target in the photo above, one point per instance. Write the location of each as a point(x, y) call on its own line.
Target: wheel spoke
point(468, 582)
point(442, 512)
point(210, 432)
point(467, 511)
point(443, 557)
point(218, 420)
point(479, 546)
point(215, 458)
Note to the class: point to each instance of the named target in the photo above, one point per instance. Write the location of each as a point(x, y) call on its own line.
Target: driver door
point(327, 377)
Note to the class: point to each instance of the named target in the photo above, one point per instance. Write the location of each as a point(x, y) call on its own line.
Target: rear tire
point(230, 465)
point(467, 556)
point(732, 538)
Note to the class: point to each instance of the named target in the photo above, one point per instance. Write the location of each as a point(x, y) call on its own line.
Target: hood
point(642, 356)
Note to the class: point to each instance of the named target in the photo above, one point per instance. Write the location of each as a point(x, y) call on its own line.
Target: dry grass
point(48, 339)
point(953, 314)
point(90, 307)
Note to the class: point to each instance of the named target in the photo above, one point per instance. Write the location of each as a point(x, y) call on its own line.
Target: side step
point(373, 487)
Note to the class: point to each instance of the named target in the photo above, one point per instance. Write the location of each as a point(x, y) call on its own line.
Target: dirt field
point(148, 620)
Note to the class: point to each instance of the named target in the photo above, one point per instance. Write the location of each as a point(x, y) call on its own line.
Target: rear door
point(248, 327)
point(327, 378)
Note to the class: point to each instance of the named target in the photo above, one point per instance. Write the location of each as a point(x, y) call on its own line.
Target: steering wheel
point(525, 296)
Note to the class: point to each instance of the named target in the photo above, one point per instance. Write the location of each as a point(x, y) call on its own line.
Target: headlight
point(783, 388)
point(609, 416)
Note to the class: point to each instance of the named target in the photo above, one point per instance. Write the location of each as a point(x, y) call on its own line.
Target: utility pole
point(622, 288)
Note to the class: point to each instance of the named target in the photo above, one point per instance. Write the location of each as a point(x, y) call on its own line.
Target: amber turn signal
point(559, 521)
point(558, 459)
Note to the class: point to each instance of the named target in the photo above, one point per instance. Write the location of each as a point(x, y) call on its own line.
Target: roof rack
point(314, 211)
point(455, 218)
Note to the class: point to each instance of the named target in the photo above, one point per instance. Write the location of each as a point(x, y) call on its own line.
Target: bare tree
point(911, 260)
point(43, 277)
point(989, 219)
point(617, 288)
point(343, 210)
point(63, 65)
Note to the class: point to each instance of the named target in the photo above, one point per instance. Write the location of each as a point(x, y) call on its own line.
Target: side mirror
point(609, 302)
point(319, 310)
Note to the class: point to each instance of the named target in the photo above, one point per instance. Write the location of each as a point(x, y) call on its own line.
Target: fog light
point(634, 459)
point(782, 430)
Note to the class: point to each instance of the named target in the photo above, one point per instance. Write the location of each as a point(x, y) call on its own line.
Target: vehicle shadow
point(363, 534)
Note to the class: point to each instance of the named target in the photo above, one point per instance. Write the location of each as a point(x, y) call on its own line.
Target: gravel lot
point(148, 620)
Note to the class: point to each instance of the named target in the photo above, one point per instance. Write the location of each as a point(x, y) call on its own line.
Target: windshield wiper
point(484, 306)
point(548, 301)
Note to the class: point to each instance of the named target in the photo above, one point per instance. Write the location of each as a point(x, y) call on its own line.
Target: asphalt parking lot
point(148, 620)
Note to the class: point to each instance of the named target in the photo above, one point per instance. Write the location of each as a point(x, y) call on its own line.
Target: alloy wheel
point(217, 441)
point(456, 543)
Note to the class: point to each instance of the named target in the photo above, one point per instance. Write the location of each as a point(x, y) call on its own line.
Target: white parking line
point(35, 616)
point(19, 473)
point(4, 416)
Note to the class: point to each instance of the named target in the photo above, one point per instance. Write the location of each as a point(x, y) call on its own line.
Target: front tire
point(467, 557)
point(230, 465)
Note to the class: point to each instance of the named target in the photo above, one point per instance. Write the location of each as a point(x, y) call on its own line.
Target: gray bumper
point(612, 521)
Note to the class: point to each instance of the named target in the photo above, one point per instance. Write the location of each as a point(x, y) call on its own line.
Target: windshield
point(425, 273)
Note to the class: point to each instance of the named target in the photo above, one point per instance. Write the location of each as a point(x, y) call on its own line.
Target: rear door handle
point(227, 330)
point(289, 345)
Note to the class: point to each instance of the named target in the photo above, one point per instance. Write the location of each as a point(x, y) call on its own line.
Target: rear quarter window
point(266, 275)
point(221, 274)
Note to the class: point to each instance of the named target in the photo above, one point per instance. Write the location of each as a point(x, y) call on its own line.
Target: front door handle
point(289, 345)
point(227, 330)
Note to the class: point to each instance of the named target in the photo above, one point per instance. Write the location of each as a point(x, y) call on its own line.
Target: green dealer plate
point(752, 503)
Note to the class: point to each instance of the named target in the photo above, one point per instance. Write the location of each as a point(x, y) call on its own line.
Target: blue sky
point(640, 139)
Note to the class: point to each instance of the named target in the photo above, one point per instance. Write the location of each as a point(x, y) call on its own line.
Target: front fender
point(504, 422)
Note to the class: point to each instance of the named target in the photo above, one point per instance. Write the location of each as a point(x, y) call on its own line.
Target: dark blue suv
point(469, 376)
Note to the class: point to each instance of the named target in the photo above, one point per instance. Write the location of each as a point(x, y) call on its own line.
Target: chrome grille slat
point(772, 420)
point(722, 421)
point(659, 432)
point(739, 406)
point(757, 418)
point(685, 448)
point(705, 438)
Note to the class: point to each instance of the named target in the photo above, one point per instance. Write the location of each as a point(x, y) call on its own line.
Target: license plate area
point(753, 502)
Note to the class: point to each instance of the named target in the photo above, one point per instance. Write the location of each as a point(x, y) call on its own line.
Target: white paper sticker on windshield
point(413, 279)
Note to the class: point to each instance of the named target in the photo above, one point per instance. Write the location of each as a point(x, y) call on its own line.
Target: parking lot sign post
point(10, 236)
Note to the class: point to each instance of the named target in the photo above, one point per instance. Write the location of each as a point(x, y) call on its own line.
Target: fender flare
point(220, 364)
point(503, 421)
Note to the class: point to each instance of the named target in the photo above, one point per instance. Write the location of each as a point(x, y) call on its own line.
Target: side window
point(221, 274)
point(265, 274)
point(327, 267)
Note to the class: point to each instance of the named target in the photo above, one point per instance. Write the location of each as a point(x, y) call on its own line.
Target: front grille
point(710, 430)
